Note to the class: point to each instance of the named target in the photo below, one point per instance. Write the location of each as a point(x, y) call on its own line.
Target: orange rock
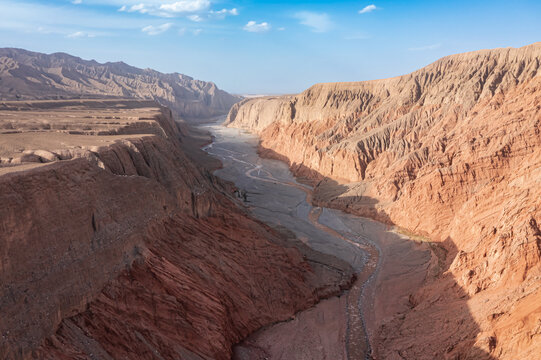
point(452, 152)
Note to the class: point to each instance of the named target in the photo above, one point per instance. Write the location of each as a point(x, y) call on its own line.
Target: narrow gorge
point(115, 245)
point(154, 216)
point(450, 154)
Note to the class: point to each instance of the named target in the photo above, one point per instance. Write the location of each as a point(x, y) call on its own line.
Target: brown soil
point(115, 245)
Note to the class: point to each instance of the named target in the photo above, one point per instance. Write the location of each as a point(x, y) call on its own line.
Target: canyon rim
point(146, 214)
point(449, 155)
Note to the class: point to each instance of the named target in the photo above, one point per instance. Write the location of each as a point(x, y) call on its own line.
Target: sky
point(269, 47)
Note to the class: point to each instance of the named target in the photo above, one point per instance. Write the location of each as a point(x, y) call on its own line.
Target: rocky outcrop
point(118, 246)
point(26, 75)
point(451, 152)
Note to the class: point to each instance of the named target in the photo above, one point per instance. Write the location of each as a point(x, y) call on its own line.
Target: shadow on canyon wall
point(435, 322)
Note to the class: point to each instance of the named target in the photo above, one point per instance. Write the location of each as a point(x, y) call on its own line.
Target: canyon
point(450, 155)
point(335, 328)
point(155, 216)
point(114, 244)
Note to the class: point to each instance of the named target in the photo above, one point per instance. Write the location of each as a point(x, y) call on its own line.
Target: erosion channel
point(388, 265)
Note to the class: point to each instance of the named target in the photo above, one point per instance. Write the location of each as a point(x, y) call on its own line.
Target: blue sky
point(269, 47)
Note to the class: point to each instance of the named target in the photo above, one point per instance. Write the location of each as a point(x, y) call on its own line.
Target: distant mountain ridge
point(27, 75)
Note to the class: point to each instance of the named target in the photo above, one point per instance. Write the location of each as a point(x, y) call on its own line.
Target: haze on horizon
point(268, 47)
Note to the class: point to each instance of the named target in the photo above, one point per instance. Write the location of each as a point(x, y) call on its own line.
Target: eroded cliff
point(26, 75)
point(113, 244)
point(451, 152)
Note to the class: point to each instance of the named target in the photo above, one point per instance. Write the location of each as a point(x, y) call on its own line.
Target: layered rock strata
point(113, 244)
point(26, 75)
point(451, 152)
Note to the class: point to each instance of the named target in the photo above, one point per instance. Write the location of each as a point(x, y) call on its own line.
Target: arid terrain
point(451, 155)
point(115, 245)
point(335, 328)
point(387, 219)
point(26, 75)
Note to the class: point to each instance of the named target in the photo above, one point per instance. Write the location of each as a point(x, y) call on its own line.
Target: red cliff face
point(116, 246)
point(451, 152)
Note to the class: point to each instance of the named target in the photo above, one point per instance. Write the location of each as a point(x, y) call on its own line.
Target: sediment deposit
point(452, 153)
point(26, 75)
point(113, 244)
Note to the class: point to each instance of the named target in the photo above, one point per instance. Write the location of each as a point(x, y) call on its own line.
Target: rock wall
point(131, 251)
point(451, 152)
point(26, 75)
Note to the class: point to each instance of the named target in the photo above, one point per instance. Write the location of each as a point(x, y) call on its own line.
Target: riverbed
point(340, 327)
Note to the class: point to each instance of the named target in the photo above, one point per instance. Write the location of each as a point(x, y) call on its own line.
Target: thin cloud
point(195, 18)
point(184, 31)
point(80, 34)
point(186, 6)
point(224, 12)
point(156, 30)
point(426, 47)
point(168, 10)
point(63, 20)
point(318, 22)
point(195, 10)
point(135, 8)
point(69, 34)
point(368, 9)
point(43, 30)
point(77, 2)
point(252, 26)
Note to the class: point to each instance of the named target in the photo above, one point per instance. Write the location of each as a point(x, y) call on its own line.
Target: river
point(336, 328)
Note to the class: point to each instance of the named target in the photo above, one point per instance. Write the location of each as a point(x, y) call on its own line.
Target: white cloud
point(63, 20)
point(138, 7)
point(77, 2)
point(426, 47)
point(169, 9)
point(79, 34)
point(198, 9)
point(252, 26)
point(281, 29)
point(156, 30)
point(194, 32)
point(135, 8)
point(224, 12)
point(186, 6)
point(67, 33)
point(195, 18)
point(318, 22)
point(368, 9)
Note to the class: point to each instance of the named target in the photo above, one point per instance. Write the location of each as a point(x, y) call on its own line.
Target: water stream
point(335, 328)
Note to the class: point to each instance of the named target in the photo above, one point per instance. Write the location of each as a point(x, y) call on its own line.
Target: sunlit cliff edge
point(451, 152)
